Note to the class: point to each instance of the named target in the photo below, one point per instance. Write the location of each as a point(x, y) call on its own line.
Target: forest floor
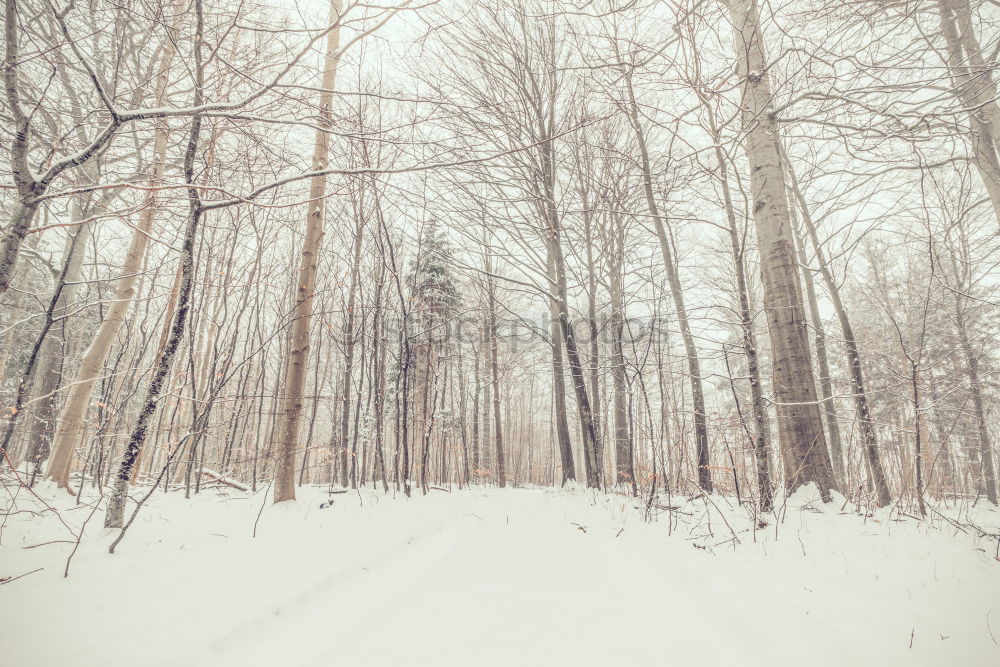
point(491, 577)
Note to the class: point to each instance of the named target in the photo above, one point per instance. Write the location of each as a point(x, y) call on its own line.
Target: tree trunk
point(624, 459)
point(559, 379)
point(762, 426)
point(825, 376)
point(72, 418)
point(296, 360)
point(868, 434)
point(676, 291)
point(595, 356)
point(989, 480)
point(476, 390)
point(495, 376)
point(116, 502)
point(974, 88)
point(345, 422)
point(49, 373)
point(800, 428)
point(575, 364)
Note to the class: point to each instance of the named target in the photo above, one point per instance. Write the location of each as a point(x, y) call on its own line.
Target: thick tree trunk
point(975, 89)
point(21, 217)
point(800, 428)
point(296, 359)
point(23, 211)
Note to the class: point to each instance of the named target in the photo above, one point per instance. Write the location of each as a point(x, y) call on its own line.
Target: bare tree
point(800, 428)
point(293, 385)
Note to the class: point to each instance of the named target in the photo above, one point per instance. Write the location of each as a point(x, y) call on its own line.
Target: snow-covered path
point(491, 578)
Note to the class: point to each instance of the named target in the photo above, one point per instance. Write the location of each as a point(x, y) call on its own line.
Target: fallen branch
point(221, 479)
point(7, 580)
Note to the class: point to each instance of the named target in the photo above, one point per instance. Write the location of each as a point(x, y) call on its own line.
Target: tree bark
point(974, 88)
point(800, 428)
point(296, 360)
point(345, 422)
point(867, 424)
point(116, 502)
point(988, 475)
point(825, 376)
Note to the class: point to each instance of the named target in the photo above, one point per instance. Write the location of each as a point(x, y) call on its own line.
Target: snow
point(494, 577)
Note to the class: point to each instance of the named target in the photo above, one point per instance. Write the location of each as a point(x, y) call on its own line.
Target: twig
point(261, 510)
point(7, 580)
point(79, 536)
point(42, 544)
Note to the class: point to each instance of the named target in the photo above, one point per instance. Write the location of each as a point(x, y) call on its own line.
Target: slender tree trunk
point(867, 424)
point(762, 426)
point(491, 298)
point(595, 355)
point(559, 379)
point(24, 382)
point(72, 418)
point(345, 422)
point(575, 365)
point(989, 479)
point(919, 429)
point(624, 463)
point(49, 373)
point(296, 360)
point(116, 502)
point(676, 291)
point(378, 351)
point(462, 411)
point(822, 360)
point(477, 389)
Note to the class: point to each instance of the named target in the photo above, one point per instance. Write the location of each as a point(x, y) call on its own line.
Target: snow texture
point(494, 577)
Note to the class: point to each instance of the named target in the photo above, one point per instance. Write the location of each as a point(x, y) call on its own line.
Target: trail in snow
point(490, 577)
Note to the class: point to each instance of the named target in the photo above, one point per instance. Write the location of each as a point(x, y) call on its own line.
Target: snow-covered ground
point(493, 577)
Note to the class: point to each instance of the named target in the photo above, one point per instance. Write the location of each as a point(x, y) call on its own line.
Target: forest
point(468, 318)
